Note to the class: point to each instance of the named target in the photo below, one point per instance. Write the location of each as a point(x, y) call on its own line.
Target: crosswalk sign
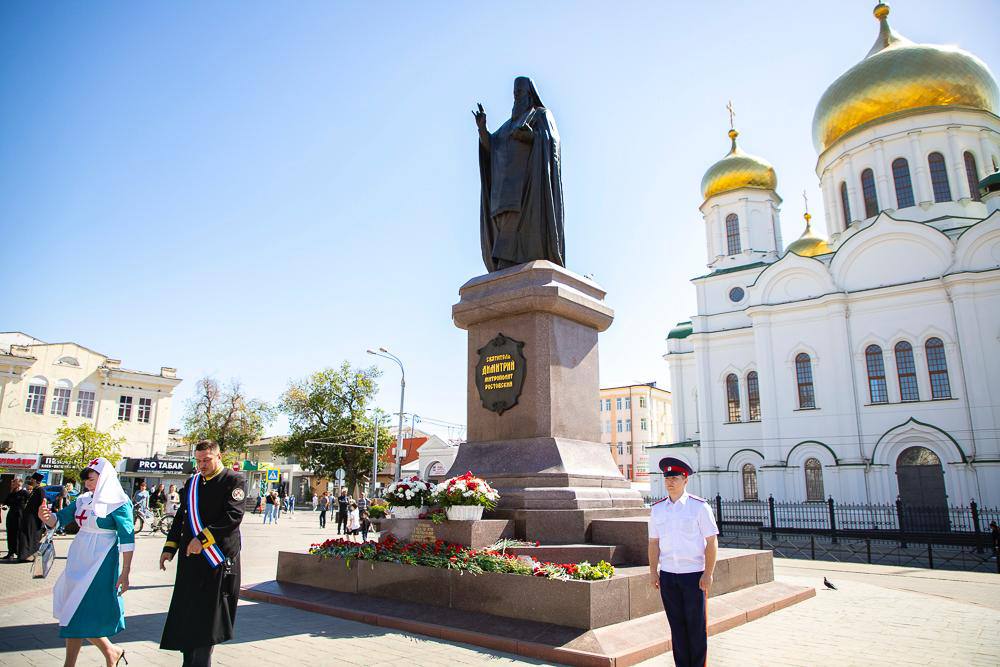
point(272, 475)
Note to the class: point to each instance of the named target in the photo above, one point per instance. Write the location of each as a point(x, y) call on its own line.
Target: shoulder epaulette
point(659, 501)
point(699, 499)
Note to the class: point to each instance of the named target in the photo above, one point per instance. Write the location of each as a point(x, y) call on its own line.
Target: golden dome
point(899, 76)
point(809, 244)
point(738, 170)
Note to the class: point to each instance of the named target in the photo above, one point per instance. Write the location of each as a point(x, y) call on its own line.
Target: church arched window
point(749, 482)
point(901, 179)
point(733, 234)
point(814, 480)
point(907, 372)
point(869, 194)
point(753, 396)
point(937, 367)
point(733, 397)
point(939, 177)
point(876, 374)
point(845, 204)
point(972, 174)
point(804, 380)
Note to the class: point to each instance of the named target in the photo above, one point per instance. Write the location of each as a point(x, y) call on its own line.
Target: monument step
point(571, 553)
point(630, 533)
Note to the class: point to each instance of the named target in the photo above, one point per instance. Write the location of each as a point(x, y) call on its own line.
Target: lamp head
point(382, 349)
point(370, 351)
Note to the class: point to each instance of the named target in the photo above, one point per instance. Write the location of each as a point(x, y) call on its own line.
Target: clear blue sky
point(258, 189)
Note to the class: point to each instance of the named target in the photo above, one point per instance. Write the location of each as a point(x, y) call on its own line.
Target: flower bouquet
point(465, 497)
point(407, 497)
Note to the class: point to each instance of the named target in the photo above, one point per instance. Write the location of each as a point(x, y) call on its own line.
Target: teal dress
point(100, 612)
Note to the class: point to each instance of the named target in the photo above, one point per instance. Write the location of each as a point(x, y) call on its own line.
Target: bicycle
point(159, 520)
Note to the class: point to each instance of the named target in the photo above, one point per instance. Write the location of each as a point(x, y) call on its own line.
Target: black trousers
point(341, 521)
point(13, 519)
point(322, 518)
point(684, 603)
point(198, 657)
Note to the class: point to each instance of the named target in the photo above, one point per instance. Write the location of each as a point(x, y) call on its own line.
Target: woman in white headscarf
point(87, 598)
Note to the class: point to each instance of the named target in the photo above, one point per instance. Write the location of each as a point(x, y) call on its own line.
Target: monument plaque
point(500, 373)
point(423, 533)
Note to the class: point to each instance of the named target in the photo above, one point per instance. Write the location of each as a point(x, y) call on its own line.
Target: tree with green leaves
point(332, 405)
point(77, 446)
point(226, 416)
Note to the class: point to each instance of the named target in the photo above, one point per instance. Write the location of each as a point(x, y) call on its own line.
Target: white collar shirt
point(682, 529)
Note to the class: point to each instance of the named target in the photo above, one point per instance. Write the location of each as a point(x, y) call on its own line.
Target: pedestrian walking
point(30, 528)
point(207, 530)
point(259, 505)
point(173, 500)
point(324, 506)
point(683, 545)
point(315, 502)
point(995, 537)
point(353, 521)
point(366, 525)
point(343, 506)
point(15, 502)
point(269, 508)
point(282, 501)
point(291, 505)
point(157, 498)
point(364, 504)
point(87, 598)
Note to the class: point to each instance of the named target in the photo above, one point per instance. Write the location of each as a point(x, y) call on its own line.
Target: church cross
point(805, 197)
point(732, 115)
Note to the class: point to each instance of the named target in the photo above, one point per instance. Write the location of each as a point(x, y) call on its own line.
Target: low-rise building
point(633, 418)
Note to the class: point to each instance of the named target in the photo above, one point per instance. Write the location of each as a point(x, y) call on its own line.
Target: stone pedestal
point(545, 452)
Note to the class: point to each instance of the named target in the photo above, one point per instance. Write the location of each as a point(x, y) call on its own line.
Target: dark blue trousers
point(684, 603)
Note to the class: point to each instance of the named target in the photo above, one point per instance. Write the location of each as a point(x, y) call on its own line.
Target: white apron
point(86, 554)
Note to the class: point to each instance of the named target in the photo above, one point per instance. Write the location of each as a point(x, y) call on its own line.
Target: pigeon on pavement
point(826, 582)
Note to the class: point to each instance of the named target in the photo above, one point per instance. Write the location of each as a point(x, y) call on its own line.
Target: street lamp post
point(378, 425)
point(382, 352)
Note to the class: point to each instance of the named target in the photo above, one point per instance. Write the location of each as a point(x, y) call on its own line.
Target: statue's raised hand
point(480, 115)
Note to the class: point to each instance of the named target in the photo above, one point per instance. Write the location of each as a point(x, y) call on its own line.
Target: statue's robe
point(521, 212)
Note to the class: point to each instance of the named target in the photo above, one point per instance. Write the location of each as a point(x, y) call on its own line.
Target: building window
point(937, 366)
point(814, 480)
point(907, 372)
point(869, 194)
point(628, 403)
point(620, 425)
point(85, 404)
point(642, 401)
point(939, 177)
point(904, 186)
point(60, 401)
point(736, 294)
point(753, 396)
point(749, 482)
point(145, 410)
point(628, 471)
point(36, 399)
point(124, 408)
point(644, 424)
point(972, 174)
point(628, 425)
point(621, 449)
point(607, 404)
point(733, 234)
point(733, 397)
point(600, 405)
point(804, 380)
point(845, 204)
point(618, 403)
point(876, 374)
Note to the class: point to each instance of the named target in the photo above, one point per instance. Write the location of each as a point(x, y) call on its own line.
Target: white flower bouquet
point(410, 492)
point(465, 490)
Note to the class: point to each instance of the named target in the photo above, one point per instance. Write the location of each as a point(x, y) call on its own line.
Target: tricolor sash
point(212, 553)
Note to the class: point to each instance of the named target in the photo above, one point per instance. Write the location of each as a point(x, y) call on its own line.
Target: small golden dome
point(738, 170)
point(899, 76)
point(809, 244)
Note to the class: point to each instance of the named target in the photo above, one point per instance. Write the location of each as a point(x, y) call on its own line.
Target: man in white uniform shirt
point(683, 544)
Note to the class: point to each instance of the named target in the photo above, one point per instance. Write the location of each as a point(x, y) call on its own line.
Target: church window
point(907, 372)
point(733, 397)
point(904, 186)
point(868, 191)
point(736, 294)
point(733, 234)
point(845, 204)
point(937, 366)
point(876, 374)
point(814, 480)
point(36, 396)
point(753, 396)
point(804, 379)
point(972, 174)
point(749, 482)
point(939, 177)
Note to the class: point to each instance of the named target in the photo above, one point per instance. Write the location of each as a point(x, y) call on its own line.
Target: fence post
point(812, 545)
point(930, 556)
point(868, 548)
point(761, 536)
point(718, 511)
point(975, 526)
point(899, 520)
point(770, 511)
point(833, 520)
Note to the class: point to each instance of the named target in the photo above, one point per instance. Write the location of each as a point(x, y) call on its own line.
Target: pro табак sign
point(500, 373)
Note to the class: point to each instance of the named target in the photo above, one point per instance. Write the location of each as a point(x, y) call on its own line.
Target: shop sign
point(22, 461)
point(160, 466)
point(52, 463)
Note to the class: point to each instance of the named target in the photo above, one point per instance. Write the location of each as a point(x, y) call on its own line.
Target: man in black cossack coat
point(203, 607)
point(15, 502)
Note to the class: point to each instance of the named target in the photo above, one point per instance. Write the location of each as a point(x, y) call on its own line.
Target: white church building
point(863, 367)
